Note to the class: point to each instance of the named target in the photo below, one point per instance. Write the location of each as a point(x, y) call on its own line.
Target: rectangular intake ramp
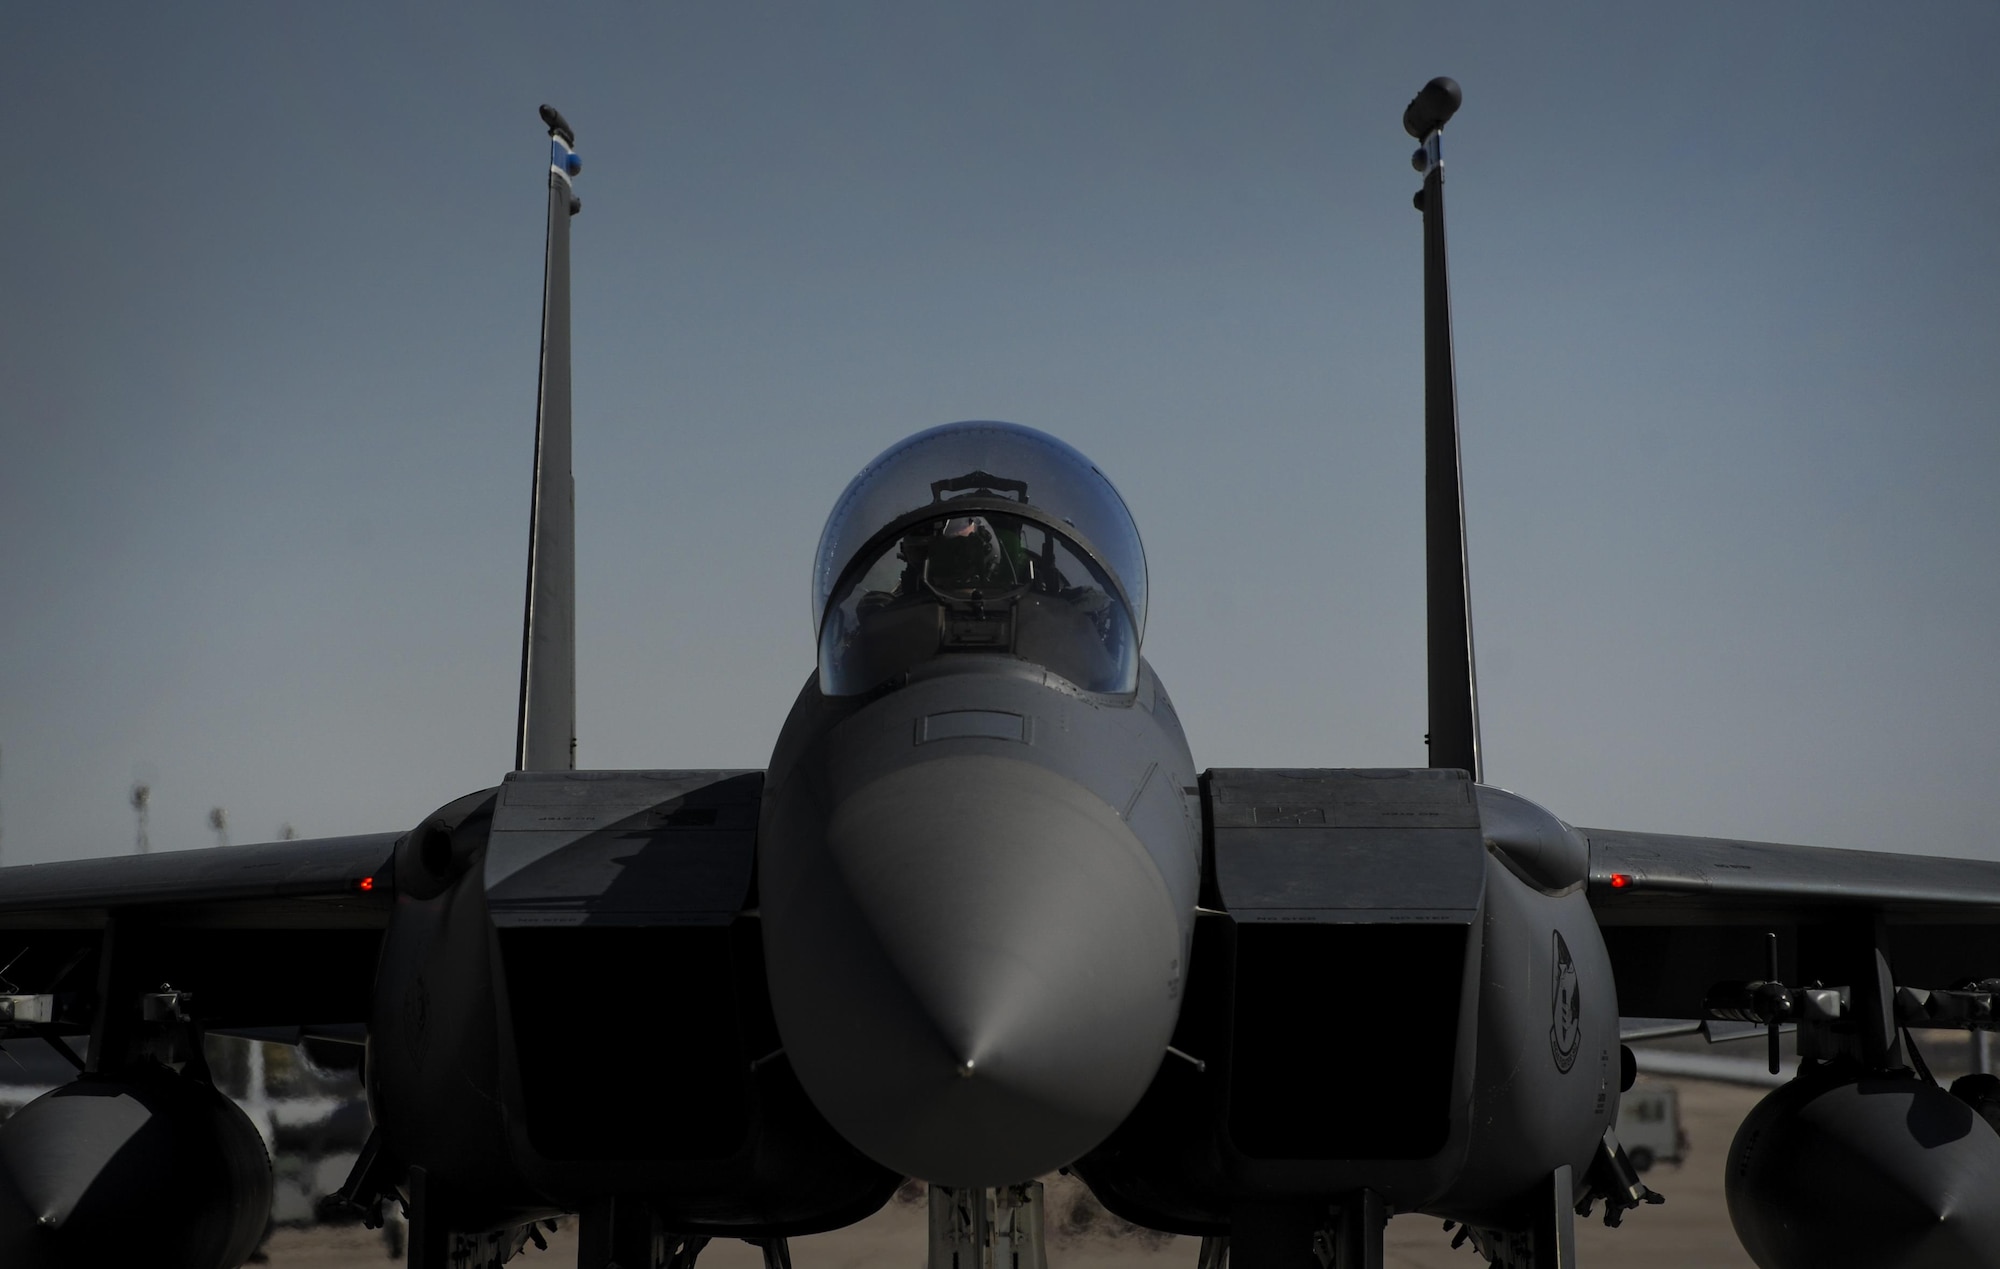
point(622, 847)
point(1345, 846)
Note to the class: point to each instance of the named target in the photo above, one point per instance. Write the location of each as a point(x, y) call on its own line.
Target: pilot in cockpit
point(977, 567)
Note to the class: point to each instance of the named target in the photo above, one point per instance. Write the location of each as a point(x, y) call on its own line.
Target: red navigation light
point(1620, 880)
point(368, 883)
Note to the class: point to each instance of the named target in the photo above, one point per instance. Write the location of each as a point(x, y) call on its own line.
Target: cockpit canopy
point(980, 537)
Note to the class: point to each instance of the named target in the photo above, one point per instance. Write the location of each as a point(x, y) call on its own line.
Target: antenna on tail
point(545, 739)
point(1454, 683)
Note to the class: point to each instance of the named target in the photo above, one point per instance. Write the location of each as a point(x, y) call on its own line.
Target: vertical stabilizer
point(1454, 684)
point(545, 739)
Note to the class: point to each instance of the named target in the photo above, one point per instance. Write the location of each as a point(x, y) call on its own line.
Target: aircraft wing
point(288, 934)
point(284, 933)
point(344, 875)
point(1680, 914)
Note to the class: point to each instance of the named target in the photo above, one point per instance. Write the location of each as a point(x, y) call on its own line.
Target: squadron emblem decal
point(1565, 1006)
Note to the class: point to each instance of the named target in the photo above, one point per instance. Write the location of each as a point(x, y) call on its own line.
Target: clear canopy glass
point(1015, 462)
point(980, 537)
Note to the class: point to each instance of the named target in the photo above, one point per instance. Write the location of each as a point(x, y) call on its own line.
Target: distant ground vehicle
point(1649, 1125)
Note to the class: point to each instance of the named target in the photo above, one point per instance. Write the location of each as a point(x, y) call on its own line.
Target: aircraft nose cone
point(977, 977)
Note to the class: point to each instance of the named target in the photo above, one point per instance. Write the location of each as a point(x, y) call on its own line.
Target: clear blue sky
point(1729, 357)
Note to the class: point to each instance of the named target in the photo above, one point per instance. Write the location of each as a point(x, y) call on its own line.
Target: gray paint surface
point(547, 738)
point(622, 847)
point(976, 943)
point(1689, 879)
point(1359, 846)
point(327, 869)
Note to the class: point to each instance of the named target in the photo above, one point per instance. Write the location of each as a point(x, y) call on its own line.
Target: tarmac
point(1691, 1229)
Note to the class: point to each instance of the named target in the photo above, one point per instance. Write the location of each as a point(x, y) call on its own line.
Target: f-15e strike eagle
point(980, 919)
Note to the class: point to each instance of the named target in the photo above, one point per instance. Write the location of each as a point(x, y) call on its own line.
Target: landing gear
point(1277, 1235)
point(1344, 1234)
point(1552, 1238)
point(1548, 1241)
point(998, 1228)
point(625, 1233)
point(1358, 1231)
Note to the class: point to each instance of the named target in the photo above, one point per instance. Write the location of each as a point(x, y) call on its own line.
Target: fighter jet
point(981, 918)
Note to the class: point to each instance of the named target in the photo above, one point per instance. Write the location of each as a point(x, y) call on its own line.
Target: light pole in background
point(142, 797)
